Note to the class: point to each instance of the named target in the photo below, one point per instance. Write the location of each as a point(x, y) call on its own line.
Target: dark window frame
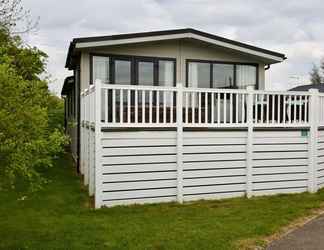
point(211, 62)
point(134, 66)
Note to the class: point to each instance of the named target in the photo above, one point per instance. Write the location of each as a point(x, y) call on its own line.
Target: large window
point(208, 74)
point(149, 71)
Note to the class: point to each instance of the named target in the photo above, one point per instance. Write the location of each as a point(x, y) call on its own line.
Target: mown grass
point(59, 217)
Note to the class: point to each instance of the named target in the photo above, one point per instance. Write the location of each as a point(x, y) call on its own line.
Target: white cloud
point(291, 27)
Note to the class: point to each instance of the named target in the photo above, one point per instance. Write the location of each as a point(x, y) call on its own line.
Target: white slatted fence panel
point(320, 162)
point(214, 164)
point(280, 162)
point(138, 167)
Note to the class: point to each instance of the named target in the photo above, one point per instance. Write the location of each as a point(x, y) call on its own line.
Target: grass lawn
point(59, 217)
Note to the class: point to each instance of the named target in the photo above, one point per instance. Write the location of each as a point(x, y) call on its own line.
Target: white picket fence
point(263, 142)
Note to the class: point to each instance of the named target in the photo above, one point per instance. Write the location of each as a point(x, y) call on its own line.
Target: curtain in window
point(100, 68)
point(166, 78)
point(199, 75)
point(146, 73)
point(245, 76)
point(166, 74)
point(193, 75)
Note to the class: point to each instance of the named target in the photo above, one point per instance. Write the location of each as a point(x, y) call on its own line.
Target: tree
point(30, 134)
point(315, 75)
point(11, 14)
point(322, 69)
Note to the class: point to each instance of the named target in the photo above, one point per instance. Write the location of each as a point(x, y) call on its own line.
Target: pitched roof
point(67, 85)
point(84, 42)
point(319, 86)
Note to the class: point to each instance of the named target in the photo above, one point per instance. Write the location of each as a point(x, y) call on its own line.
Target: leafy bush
point(31, 118)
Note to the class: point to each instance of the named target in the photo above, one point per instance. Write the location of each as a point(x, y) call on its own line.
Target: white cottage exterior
point(181, 115)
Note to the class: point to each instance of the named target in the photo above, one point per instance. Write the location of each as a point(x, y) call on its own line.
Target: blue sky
point(292, 27)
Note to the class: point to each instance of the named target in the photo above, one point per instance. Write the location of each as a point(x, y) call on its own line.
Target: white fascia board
point(236, 47)
point(130, 40)
point(82, 45)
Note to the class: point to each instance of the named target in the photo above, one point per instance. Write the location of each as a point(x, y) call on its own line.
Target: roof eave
point(92, 42)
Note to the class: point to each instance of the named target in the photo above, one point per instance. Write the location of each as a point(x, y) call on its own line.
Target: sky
point(292, 27)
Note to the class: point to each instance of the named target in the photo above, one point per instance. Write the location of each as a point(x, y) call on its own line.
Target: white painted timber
point(182, 164)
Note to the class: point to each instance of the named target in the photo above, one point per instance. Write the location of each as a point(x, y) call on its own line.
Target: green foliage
point(55, 113)
point(315, 76)
point(30, 117)
point(322, 68)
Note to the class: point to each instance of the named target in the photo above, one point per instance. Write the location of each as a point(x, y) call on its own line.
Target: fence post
point(249, 143)
point(81, 133)
point(179, 142)
point(312, 139)
point(98, 167)
point(87, 119)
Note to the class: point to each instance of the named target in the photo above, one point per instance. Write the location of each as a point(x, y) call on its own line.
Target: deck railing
point(118, 106)
point(151, 106)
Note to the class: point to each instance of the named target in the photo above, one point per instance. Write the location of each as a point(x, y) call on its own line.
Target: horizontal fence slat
point(214, 134)
point(280, 147)
point(213, 173)
point(280, 184)
point(279, 191)
point(279, 140)
point(214, 189)
point(213, 196)
point(138, 142)
point(214, 165)
point(214, 149)
point(279, 170)
point(138, 159)
point(280, 177)
point(131, 194)
point(214, 141)
point(138, 176)
point(277, 134)
point(138, 151)
point(213, 157)
point(111, 203)
point(139, 185)
point(128, 135)
point(280, 162)
point(131, 168)
point(214, 181)
point(279, 155)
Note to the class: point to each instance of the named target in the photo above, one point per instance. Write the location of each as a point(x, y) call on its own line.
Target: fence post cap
point(179, 85)
point(97, 82)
